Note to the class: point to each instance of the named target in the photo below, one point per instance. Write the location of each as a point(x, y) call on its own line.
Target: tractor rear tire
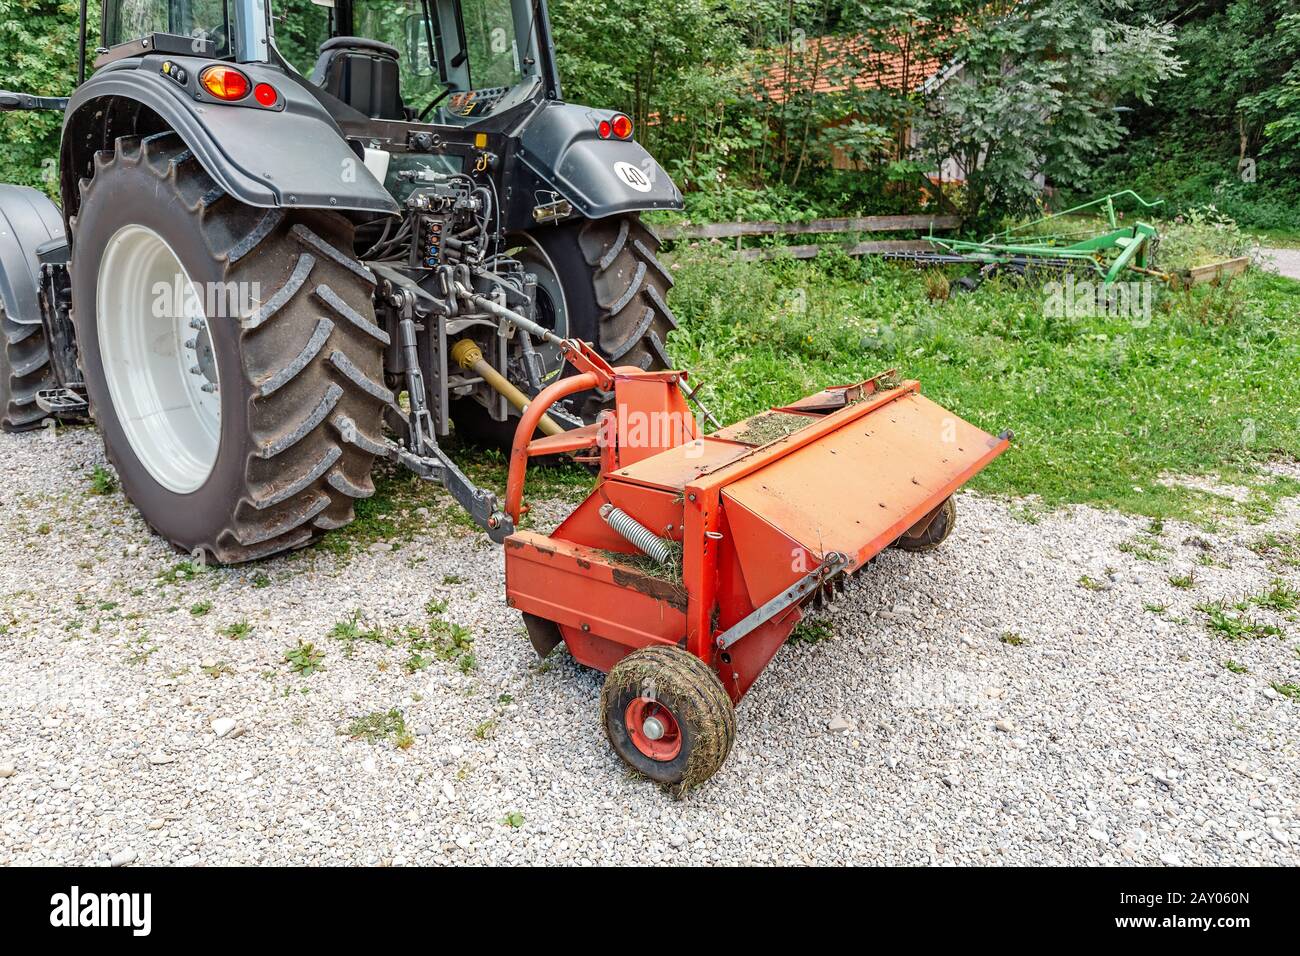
point(24, 371)
point(293, 416)
point(681, 697)
point(614, 294)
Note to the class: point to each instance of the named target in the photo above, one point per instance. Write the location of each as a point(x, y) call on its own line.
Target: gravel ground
point(994, 709)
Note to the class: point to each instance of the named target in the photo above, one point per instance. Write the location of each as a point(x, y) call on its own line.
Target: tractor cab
point(448, 62)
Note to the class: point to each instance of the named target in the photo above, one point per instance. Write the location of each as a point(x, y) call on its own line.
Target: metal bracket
point(832, 564)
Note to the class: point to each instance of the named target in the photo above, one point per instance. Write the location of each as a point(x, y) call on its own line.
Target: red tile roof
point(844, 63)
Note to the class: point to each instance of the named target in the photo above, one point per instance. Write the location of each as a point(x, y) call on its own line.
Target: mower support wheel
point(667, 715)
point(935, 534)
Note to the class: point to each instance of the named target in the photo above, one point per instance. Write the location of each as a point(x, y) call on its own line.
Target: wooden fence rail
point(739, 230)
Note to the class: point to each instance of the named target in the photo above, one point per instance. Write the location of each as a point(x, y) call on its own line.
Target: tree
point(1036, 94)
point(1276, 107)
point(38, 44)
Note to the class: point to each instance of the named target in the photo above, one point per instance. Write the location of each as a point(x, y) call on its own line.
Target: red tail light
point(225, 83)
point(265, 94)
point(622, 126)
point(604, 129)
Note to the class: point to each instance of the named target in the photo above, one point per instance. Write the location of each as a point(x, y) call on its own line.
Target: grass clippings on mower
point(670, 570)
point(770, 426)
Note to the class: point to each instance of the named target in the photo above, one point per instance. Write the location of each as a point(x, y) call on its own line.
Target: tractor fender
point(600, 177)
point(293, 155)
point(28, 220)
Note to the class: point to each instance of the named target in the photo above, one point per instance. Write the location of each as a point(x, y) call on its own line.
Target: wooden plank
point(732, 230)
point(851, 249)
point(1215, 270)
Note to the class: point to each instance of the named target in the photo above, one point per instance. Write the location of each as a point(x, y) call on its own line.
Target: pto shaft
point(468, 356)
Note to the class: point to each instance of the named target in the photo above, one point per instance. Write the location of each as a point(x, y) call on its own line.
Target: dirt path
point(1283, 261)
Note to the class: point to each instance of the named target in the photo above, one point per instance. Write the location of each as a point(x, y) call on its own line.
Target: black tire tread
point(24, 370)
point(300, 477)
point(631, 287)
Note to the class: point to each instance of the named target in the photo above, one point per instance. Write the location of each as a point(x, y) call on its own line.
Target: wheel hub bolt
point(653, 728)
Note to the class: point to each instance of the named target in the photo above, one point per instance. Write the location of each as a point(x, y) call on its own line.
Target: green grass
point(353, 630)
point(236, 630)
point(810, 631)
point(1277, 548)
point(1235, 627)
point(184, 571)
point(1279, 596)
point(1287, 690)
point(381, 725)
point(1145, 547)
point(1236, 668)
point(102, 481)
point(1101, 407)
point(404, 506)
point(305, 659)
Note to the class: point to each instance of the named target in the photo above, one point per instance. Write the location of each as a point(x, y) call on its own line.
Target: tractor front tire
point(242, 407)
point(24, 371)
point(668, 716)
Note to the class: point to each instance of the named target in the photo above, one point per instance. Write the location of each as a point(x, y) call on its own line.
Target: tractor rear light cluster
point(616, 127)
point(228, 84)
point(224, 83)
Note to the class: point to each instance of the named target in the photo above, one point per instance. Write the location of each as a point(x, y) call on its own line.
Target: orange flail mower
point(691, 561)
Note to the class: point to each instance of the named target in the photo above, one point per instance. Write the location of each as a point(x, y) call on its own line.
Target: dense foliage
point(791, 108)
point(1226, 131)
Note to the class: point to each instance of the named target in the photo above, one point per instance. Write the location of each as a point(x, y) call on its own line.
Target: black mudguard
point(600, 177)
point(293, 155)
point(28, 220)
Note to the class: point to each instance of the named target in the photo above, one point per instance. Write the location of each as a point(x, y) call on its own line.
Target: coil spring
point(637, 534)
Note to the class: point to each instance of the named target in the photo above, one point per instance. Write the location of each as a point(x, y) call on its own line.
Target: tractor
point(293, 241)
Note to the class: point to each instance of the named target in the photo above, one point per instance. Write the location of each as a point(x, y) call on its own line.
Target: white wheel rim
point(155, 347)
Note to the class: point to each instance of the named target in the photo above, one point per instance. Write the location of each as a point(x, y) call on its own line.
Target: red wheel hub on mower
point(653, 729)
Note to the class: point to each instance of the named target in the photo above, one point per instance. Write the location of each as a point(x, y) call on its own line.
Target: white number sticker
point(634, 176)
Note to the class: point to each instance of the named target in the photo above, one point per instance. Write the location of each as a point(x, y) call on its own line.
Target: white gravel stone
point(223, 725)
point(1050, 748)
point(839, 725)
